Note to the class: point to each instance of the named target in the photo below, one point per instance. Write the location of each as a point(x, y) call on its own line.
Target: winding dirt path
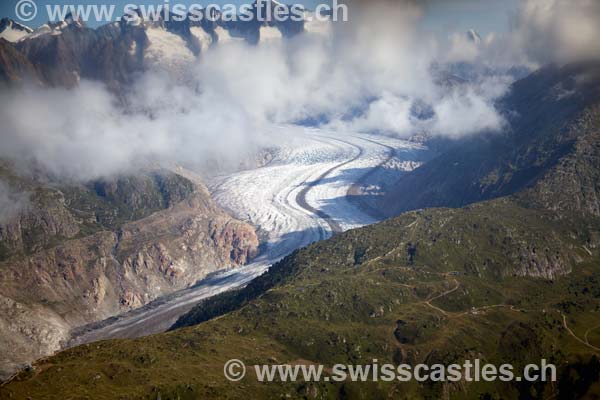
point(584, 342)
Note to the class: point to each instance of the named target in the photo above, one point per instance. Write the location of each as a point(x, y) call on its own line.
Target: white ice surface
point(265, 197)
point(314, 25)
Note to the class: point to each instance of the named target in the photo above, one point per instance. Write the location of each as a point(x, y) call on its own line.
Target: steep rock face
point(251, 30)
point(573, 186)
point(14, 65)
point(84, 268)
point(543, 264)
point(111, 54)
point(55, 212)
point(37, 229)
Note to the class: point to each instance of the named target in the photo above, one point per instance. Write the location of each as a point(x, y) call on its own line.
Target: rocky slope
point(81, 253)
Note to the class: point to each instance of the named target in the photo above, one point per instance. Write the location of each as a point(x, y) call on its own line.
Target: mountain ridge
point(62, 53)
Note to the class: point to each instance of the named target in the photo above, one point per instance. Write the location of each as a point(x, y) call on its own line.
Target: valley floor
point(300, 197)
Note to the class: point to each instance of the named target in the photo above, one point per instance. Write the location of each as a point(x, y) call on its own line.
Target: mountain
point(60, 54)
point(550, 116)
point(512, 277)
point(80, 253)
point(473, 36)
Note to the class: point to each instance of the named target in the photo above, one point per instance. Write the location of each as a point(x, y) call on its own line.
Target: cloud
point(85, 133)
point(466, 113)
point(11, 203)
point(364, 75)
point(541, 32)
point(558, 30)
point(388, 114)
point(462, 49)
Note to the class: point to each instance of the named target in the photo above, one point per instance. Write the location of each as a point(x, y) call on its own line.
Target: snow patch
point(133, 48)
point(13, 31)
point(167, 50)
point(268, 33)
point(203, 37)
point(42, 30)
point(224, 36)
point(13, 35)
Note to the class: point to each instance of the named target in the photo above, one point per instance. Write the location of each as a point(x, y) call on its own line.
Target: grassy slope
point(358, 297)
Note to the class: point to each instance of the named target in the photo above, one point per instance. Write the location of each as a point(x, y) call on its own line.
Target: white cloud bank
point(365, 75)
point(558, 30)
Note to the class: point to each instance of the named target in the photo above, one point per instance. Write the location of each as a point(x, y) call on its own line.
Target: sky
point(7, 7)
point(441, 16)
point(485, 16)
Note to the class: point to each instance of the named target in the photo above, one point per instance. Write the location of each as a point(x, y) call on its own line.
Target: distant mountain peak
point(71, 19)
point(473, 36)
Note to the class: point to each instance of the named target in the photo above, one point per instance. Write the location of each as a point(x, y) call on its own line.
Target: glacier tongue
point(330, 163)
point(298, 198)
